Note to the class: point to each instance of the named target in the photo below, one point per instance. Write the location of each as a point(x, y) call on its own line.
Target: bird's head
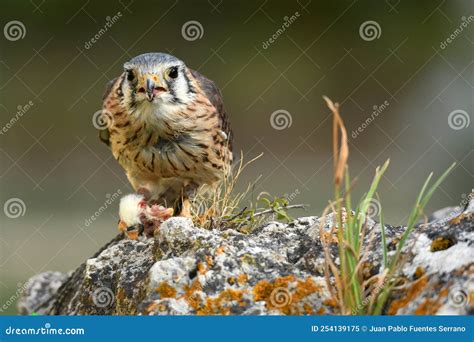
point(156, 78)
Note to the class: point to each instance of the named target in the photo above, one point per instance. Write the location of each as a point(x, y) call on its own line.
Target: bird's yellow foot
point(131, 232)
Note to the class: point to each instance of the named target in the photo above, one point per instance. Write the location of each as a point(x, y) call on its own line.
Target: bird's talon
point(132, 235)
point(133, 232)
point(122, 226)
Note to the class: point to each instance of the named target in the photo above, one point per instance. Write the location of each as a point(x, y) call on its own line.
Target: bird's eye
point(130, 75)
point(173, 73)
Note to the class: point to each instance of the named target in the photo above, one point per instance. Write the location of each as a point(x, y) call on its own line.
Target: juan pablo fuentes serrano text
point(413, 328)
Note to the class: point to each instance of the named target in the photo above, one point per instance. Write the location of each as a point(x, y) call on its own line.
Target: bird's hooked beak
point(153, 87)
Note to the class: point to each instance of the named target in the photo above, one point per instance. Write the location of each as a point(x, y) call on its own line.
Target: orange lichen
point(419, 272)
point(190, 294)
point(262, 290)
point(393, 243)
point(201, 268)
point(155, 306)
point(441, 243)
point(409, 296)
point(308, 309)
point(223, 303)
point(330, 302)
point(294, 292)
point(242, 279)
point(220, 250)
point(330, 237)
point(457, 219)
point(278, 296)
point(367, 270)
point(431, 306)
point(152, 307)
point(305, 288)
point(165, 290)
point(209, 260)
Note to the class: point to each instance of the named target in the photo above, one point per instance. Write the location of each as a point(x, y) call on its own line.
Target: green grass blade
point(421, 202)
point(435, 186)
point(384, 239)
point(368, 197)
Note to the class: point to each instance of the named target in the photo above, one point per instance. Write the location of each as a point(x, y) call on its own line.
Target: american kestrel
point(167, 127)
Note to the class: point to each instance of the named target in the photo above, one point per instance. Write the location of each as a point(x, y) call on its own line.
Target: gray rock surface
point(276, 269)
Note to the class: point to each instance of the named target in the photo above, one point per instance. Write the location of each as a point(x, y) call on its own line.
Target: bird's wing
point(215, 97)
point(104, 133)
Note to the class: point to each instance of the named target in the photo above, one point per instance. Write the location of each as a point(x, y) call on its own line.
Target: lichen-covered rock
point(276, 269)
point(39, 290)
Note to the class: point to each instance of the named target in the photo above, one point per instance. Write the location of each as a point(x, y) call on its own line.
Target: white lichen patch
point(444, 261)
point(174, 272)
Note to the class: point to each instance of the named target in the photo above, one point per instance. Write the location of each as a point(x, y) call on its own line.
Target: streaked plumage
point(167, 127)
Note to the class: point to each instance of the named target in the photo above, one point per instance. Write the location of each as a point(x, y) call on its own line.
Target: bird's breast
point(185, 143)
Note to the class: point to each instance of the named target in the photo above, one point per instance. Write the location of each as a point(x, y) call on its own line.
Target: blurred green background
point(52, 161)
